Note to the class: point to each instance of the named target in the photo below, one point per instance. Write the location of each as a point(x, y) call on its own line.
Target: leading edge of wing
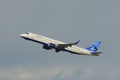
point(66, 45)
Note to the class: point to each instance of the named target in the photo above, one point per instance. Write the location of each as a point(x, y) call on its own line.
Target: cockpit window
point(27, 33)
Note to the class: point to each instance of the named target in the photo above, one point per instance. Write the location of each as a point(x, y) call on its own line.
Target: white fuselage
point(45, 40)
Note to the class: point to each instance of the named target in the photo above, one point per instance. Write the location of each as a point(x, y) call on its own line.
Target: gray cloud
point(58, 72)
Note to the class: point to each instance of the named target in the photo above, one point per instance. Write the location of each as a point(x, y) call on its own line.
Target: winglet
point(77, 42)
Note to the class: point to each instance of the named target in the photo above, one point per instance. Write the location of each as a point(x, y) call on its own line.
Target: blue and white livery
point(49, 44)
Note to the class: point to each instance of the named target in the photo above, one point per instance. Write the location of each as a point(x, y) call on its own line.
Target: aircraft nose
point(22, 35)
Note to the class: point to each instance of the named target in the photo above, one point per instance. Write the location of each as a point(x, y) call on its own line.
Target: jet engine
point(49, 46)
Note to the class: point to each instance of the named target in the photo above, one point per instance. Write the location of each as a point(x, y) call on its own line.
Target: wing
point(62, 46)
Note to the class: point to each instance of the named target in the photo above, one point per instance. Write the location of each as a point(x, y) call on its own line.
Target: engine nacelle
point(46, 47)
point(49, 46)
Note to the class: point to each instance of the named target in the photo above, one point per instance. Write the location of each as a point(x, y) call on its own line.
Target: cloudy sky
point(64, 20)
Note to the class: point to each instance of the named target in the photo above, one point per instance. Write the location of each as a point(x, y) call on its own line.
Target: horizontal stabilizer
point(96, 53)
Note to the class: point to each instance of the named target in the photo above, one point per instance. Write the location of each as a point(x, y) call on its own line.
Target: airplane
point(49, 44)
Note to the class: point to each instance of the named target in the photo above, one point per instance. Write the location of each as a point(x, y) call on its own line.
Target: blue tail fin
point(94, 47)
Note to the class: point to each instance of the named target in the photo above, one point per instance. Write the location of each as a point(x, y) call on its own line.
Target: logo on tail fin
point(94, 47)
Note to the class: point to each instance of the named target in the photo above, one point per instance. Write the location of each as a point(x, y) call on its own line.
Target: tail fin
point(94, 47)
